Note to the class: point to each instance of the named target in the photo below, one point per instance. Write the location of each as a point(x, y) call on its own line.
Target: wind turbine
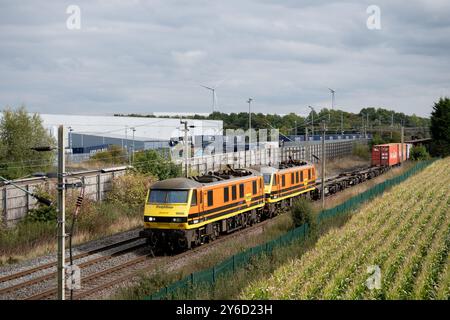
point(332, 102)
point(214, 97)
point(332, 97)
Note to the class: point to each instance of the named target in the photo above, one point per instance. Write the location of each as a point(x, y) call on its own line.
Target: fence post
point(99, 192)
point(27, 198)
point(5, 206)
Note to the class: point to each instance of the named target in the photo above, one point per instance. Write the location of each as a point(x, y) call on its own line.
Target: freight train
point(184, 212)
point(181, 213)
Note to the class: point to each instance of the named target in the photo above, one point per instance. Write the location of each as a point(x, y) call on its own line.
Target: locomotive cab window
point(241, 190)
point(233, 192)
point(309, 174)
point(274, 181)
point(283, 180)
point(292, 178)
point(267, 178)
point(168, 196)
point(210, 198)
point(254, 187)
point(194, 198)
point(296, 177)
point(301, 176)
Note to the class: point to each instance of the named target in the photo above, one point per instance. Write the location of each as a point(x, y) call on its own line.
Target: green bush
point(114, 155)
point(361, 150)
point(154, 163)
point(42, 213)
point(303, 212)
point(419, 153)
point(129, 190)
point(376, 139)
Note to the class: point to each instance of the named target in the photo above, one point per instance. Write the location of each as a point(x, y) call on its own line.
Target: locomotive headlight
point(150, 219)
point(177, 220)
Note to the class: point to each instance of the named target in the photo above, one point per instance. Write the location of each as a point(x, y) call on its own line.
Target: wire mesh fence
point(232, 264)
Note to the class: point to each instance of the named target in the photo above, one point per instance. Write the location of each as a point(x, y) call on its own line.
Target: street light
point(132, 154)
point(70, 137)
point(186, 158)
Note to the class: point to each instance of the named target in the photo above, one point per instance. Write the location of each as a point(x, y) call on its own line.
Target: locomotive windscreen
point(168, 196)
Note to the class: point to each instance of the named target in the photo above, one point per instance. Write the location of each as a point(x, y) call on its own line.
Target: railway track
point(97, 281)
point(52, 275)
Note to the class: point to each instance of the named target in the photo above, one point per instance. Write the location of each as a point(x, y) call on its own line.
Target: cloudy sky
point(151, 56)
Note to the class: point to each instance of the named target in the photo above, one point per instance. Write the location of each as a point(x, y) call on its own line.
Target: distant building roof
point(145, 128)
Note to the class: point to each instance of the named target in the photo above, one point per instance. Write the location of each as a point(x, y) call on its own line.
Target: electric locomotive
point(184, 212)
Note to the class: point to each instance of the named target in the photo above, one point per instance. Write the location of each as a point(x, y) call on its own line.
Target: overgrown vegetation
point(130, 190)
point(302, 212)
point(36, 233)
point(419, 153)
point(114, 155)
point(361, 150)
point(19, 133)
point(384, 138)
point(154, 163)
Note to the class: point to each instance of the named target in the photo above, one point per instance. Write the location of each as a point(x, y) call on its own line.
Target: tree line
point(292, 123)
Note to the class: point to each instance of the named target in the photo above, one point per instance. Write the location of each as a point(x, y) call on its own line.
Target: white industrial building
point(89, 131)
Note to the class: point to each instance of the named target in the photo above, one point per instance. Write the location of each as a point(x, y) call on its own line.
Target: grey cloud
point(144, 56)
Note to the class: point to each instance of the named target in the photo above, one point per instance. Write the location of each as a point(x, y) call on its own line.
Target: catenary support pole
point(61, 215)
point(403, 145)
point(323, 164)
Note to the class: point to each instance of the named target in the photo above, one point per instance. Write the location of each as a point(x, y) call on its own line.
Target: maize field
point(394, 247)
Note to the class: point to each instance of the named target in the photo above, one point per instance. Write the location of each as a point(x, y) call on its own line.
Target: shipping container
point(389, 154)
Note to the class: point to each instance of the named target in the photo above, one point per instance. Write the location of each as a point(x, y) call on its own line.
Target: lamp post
point(70, 137)
point(132, 154)
point(186, 157)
